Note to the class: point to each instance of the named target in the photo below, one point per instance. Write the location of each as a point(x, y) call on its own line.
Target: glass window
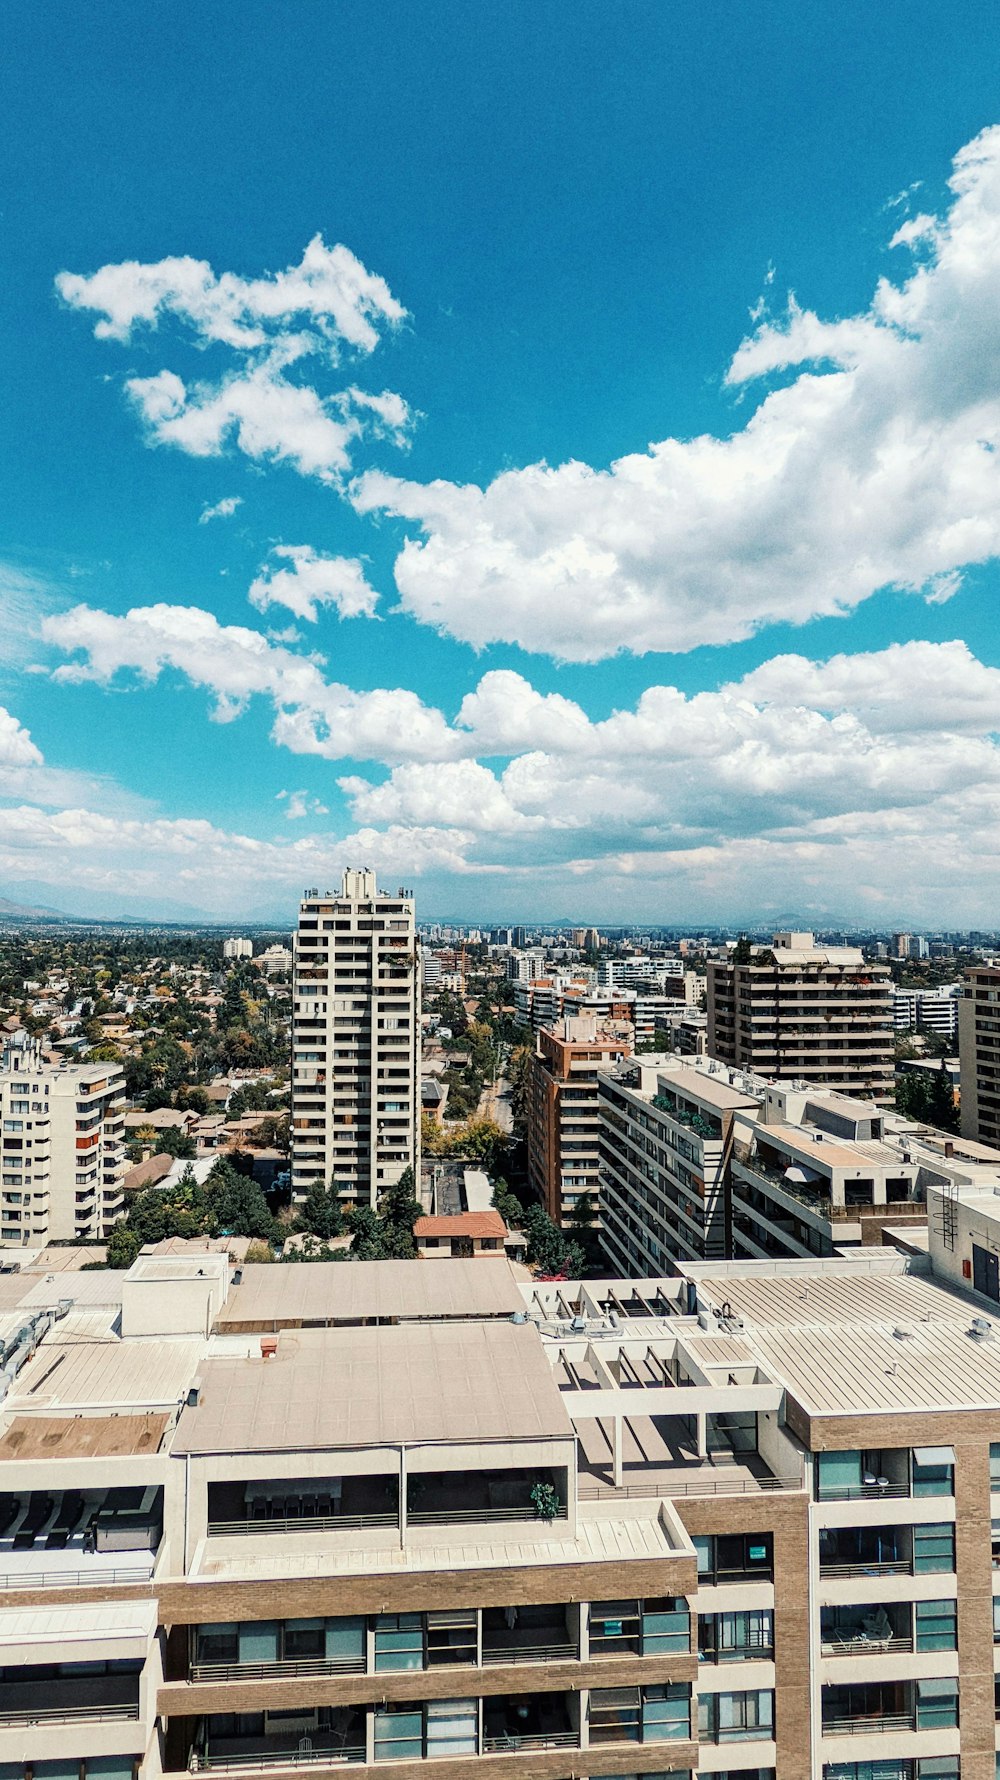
point(614, 1628)
point(933, 1471)
point(452, 1727)
point(452, 1637)
point(838, 1475)
point(937, 1703)
point(728, 1556)
point(666, 1712)
point(933, 1547)
point(399, 1733)
point(936, 1625)
point(345, 1644)
point(259, 1641)
point(734, 1637)
point(938, 1767)
point(399, 1641)
point(995, 1465)
point(108, 1767)
point(615, 1715)
point(217, 1643)
point(304, 1638)
point(666, 1625)
point(732, 1717)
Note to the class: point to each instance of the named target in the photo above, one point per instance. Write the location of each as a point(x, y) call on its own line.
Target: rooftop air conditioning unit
point(579, 1325)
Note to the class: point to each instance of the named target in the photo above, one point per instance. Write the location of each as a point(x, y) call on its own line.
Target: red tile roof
point(462, 1223)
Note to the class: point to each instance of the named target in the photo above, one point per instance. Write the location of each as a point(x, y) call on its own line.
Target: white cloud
point(330, 290)
point(235, 664)
point(223, 509)
point(301, 805)
point(876, 464)
point(311, 581)
point(326, 305)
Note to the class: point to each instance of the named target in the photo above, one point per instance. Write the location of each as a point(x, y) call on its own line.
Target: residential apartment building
point(979, 1053)
point(562, 1123)
point(666, 1134)
point(402, 1518)
point(355, 1040)
point(797, 1010)
point(927, 1010)
point(237, 948)
point(63, 1147)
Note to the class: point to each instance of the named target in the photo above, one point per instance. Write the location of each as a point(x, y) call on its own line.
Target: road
point(494, 1103)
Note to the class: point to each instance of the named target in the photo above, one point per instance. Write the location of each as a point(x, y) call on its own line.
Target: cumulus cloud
point(301, 805)
point(329, 291)
point(874, 463)
point(301, 579)
point(326, 306)
point(223, 509)
point(235, 664)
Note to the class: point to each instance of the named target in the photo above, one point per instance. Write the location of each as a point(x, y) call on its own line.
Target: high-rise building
point(563, 1132)
point(237, 948)
point(63, 1157)
point(355, 1040)
point(979, 1053)
point(798, 1010)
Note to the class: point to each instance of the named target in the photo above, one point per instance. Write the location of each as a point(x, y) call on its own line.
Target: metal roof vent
point(981, 1328)
point(901, 1332)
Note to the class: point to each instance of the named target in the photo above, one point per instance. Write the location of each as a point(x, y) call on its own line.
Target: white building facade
point(63, 1155)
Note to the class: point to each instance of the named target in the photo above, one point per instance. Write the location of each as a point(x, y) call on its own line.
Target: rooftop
point(362, 1387)
point(462, 1223)
point(81, 1436)
point(275, 1297)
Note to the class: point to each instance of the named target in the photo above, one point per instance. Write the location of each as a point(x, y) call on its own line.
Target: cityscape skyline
point(575, 505)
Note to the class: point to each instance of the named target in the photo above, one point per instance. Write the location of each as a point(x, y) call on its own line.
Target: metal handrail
point(278, 1671)
point(862, 1492)
point(883, 1721)
point(304, 1523)
point(865, 1646)
point(68, 1714)
point(95, 1578)
point(517, 1740)
point(203, 1761)
point(896, 1567)
point(436, 1517)
point(530, 1653)
point(688, 1486)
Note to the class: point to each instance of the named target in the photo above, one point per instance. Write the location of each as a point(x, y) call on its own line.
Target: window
point(933, 1471)
point(726, 1557)
point(217, 1643)
point(399, 1641)
point(304, 1638)
point(936, 1625)
point(452, 1727)
point(451, 1637)
point(937, 1703)
point(640, 1714)
point(733, 1717)
point(734, 1637)
point(838, 1475)
point(933, 1547)
point(399, 1732)
point(666, 1625)
point(666, 1712)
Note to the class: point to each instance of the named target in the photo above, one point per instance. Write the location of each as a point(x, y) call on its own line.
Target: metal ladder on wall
point(948, 1222)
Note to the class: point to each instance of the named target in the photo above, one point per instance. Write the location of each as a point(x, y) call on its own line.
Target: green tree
point(236, 1206)
point(547, 1247)
point(173, 1140)
point(320, 1213)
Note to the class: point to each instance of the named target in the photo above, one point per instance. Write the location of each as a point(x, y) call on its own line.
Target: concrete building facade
point(563, 1125)
point(355, 1040)
point(63, 1147)
point(979, 1054)
point(798, 1010)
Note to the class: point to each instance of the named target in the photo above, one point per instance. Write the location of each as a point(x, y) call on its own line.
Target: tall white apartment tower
point(63, 1147)
point(355, 1040)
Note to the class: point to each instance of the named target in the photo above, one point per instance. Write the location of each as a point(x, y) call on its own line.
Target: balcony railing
point(862, 1492)
point(702, 1483)
point(530, 1653)
point(860, 1727)
point(291, 1669)
point(510, 1742)
point(96, 1577)
point(311, 1523)
point(28, 1715)
point(207, 1762)
point(442, 1517)
point(861, 1645)
point(894, 1567)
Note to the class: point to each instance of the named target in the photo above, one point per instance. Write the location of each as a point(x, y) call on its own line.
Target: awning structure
point(103, 1632)
point(805, 1176)
point(934, 1455)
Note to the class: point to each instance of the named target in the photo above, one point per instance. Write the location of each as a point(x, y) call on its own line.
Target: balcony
point(302, 1505)
point(534, 1721)
point(874, 1630)
point(79, 1538)
point(234, 1742)
point(479, 1497)
point(110, 1699)
point(529, 1635)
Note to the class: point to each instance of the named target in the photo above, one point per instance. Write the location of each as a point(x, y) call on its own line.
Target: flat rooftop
point(81, 1436)
point(367, 1387)
point(87, 1376)
point(836, 1152)
point(276, 1297)
point(846, 1339)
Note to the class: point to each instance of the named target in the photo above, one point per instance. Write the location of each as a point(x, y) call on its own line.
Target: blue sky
point(750, 670)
